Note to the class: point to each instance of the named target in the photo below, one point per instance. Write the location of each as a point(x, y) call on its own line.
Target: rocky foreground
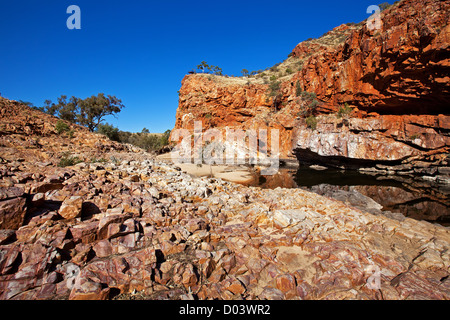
point(142, 229)
point(131, 227)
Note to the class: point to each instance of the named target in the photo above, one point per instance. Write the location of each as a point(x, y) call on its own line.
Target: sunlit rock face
point(394, 80)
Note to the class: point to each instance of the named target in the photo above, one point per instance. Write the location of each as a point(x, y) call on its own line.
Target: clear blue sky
point(140, 50)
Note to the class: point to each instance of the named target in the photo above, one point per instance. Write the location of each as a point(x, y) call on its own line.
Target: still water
point(414, 199)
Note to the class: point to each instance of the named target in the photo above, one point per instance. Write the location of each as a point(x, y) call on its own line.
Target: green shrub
point(311, 122)
point(310, 102)
point(309, 95)
point(144, 140)
point(67, 161)
point(164, 139)
point(101, 160)
point(124, 136)
point(149, 142)
point(298, 89)
point(71, 133)
point(344, 111)
point(274, 88)
point(110, 131)
point(384, 6)
point(312, 106)
point(61, 127)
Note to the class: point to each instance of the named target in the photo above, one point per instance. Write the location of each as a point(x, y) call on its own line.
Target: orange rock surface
point(394, 79)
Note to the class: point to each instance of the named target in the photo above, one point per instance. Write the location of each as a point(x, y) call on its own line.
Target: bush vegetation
point(110, 131)
point(310, 103)
point(298, 89)
point(384, 6)
point(89, 112)
point(311, 122)
point(67, 160)
point(144, 139)
point(274, 88)
point(61, 127)
point(344, 111)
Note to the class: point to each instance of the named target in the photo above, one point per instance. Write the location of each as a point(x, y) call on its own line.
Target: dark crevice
point(415, 146)
point(15, 265)
point(306, 156)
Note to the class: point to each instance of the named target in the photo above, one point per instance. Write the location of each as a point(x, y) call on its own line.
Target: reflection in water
point(396, 194)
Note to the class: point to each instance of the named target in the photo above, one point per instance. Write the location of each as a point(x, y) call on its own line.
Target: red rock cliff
point(399, 72)
point(403, 68)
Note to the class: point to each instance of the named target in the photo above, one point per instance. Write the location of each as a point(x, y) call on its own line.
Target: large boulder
point(12, 208)
point(71, 208)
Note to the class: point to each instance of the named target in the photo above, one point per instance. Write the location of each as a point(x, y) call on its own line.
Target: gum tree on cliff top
point(89, 112)
point(205, 67)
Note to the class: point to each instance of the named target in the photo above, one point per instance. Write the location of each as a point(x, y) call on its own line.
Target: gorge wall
point(394, 80)
point(401, 69)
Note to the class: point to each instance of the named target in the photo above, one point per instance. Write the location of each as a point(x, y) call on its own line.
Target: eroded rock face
point(400, 69)
point(388, 139)
point(220, 104)
point(395, 81)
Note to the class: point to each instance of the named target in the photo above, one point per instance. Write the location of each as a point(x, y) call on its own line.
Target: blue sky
point(140, 50)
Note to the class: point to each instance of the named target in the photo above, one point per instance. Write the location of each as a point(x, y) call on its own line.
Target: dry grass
point(335, 37)
point(280, 72)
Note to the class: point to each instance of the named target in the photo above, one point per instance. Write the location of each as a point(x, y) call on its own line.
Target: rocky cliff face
point(394, 80)
point(401, 69)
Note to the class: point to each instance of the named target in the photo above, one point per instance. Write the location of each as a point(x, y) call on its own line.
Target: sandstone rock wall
point(401, 69)
point(395, 80)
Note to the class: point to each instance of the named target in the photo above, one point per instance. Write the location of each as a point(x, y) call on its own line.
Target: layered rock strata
point(394, 81)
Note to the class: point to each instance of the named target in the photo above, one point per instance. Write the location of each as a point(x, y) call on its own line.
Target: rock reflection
point(398, 197)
